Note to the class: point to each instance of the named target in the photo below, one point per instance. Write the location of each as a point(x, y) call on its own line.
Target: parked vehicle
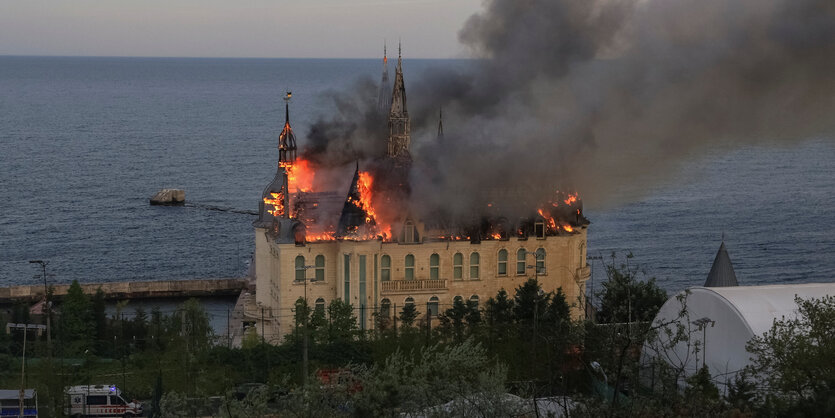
point(99, 401)
point(10, 403)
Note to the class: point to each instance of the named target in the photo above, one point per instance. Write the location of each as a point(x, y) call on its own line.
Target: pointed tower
point(353, 215)
point(385, 85)
point(441, 124)
point(275, 200)
point(287, 139)
point(398, 122)
point(722, 272)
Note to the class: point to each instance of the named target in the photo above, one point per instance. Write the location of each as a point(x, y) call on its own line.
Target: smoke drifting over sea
point(597, 95)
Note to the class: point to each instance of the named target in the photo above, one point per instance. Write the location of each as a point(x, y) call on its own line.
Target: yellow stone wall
point(277, 291)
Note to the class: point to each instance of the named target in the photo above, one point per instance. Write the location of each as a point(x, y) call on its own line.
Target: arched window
point(474, 266)
point(409, 301)
point(434, 266)
point(385, 268)
point(520, 261)
point(320, 305)
point(410, 267)
point(502, 268)
point(433, 306)
point(300, 276)
point(320, 267)
point(457, 266)
point(474, 301)
point(540, 261)
point(385, 308)
point(457, 299)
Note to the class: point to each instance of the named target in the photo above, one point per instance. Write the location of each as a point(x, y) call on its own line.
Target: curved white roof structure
point(726, 318)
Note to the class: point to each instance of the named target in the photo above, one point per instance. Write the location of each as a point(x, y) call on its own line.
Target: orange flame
point(300, 175)
point(548, 218)
point(567, 228)
point(572, 198)
point(277, 202)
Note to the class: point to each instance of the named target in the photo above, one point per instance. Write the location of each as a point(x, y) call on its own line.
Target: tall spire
point(287, 139)
point(385, 85)
point(398, 121)
point(441, 123)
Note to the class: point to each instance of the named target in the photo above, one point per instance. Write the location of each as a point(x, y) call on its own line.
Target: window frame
point(475, 265)
point(540, 265)
point(301, 274)
point(385, 270)
point(458, 266)
point(319, 269)
point(409, 270)
point(521, 261)
point(501, 263)
point(434, 266)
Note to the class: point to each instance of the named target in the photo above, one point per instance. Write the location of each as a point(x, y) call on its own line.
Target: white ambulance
point(99, 401)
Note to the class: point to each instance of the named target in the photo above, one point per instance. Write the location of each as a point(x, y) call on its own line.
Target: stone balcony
point(412, 286)
point(583, 273)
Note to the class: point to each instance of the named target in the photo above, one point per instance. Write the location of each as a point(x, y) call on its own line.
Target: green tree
point(452, 320)
point(794, 362)
point(462, 376)
point(99, 316)
point(342, 324)
point(627, 298)
point(530, 302)
point(499, 310)
point(408, 314)
point(76, 325)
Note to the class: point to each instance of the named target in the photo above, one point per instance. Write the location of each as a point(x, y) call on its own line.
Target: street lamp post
point(306, 325)
point(47, 304)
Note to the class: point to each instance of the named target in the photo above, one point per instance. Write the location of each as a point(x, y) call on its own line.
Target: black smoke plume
point(601, 95)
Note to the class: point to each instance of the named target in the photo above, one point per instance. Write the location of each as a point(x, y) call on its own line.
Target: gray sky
point(228, 28)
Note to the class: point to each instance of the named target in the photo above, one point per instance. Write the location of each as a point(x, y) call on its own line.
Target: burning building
point(365, 243)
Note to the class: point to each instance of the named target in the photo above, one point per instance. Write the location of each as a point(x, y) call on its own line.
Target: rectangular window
point(502, 268)
point(97, 400)
point(347, 278)
point(520, 262)
point(539, 230)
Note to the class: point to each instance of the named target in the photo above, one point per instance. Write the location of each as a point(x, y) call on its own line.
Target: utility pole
point(23, 370)
point(305, 325)
point(47, 305)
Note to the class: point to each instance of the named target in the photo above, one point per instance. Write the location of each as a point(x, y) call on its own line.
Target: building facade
point(414, 263)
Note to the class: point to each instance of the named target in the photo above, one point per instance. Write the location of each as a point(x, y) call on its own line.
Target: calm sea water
point(84, 142)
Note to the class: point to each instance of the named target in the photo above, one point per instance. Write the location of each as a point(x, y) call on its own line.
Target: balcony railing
point(396, 286)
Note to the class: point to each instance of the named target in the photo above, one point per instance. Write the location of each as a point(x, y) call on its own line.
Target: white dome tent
point(719, 322)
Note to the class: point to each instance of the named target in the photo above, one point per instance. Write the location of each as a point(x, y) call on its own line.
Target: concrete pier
point(133, 290)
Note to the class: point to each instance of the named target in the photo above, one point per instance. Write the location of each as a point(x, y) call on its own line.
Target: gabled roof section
point(722, 272)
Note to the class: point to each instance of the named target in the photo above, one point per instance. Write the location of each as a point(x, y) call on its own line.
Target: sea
point(84, 143)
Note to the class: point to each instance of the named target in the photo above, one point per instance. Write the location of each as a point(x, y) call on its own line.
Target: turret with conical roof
point(275, 201)
point(287, 139)
point(722, 272)
point(398, 121)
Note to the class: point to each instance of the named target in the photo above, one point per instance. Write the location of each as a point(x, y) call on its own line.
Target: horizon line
point(199, 57)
